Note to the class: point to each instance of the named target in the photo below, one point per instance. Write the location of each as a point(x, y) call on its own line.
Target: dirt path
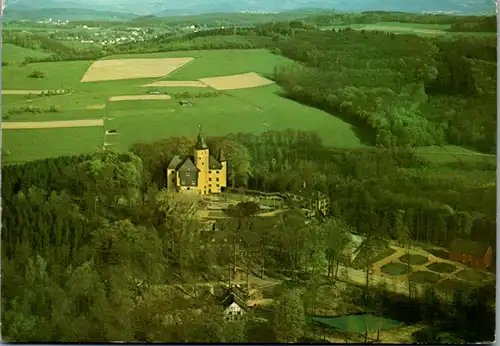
point(51, 124)
point(138, 98)
point(173, 83)
point(27, 92)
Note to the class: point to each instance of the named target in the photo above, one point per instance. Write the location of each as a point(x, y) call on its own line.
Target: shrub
point(38, 74)
point(55, 109)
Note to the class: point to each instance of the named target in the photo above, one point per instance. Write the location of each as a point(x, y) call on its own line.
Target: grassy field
point(26, 145)
point(250, 110)
point(13, 54)
point(411, 28)
point(60, 75)
point(453, 154)
point(214, 63)
point(246, 110)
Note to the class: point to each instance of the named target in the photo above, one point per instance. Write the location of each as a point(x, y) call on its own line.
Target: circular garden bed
point(441, 267)
point(394, 269)
point(414, 259)
point(425, 277)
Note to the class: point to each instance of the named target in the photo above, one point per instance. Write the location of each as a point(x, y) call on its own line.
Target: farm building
point(234, 306)
point(200, 174)
point(473, 253)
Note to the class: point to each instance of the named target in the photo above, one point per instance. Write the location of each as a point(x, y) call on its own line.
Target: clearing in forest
point(138, 97)
point(427, 31)
point(239, 81)
point(173, 83)
point(115, 69)
point(51, 124)
point(386, 27)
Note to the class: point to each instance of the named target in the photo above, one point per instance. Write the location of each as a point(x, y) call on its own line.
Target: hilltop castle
point(200, 173)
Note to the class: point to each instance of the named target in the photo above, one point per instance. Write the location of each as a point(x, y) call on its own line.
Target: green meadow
point(35, 144)
point(453, 154)
point(246, 110)
point(12, 54)
point(215, 63)
point(59, 75)
point(253, 110)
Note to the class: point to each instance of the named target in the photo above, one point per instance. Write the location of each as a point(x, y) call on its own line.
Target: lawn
point(414, 259)
point(425, 277)
point(35, 144)
point(13, 54)
point(394, 269)
point(442, 267)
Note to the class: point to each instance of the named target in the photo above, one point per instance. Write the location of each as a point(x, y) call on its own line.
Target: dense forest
point(88, 241)
point(410, 91)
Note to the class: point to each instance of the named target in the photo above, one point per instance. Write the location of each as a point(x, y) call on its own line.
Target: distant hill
point(65, 14)
point(192, 7)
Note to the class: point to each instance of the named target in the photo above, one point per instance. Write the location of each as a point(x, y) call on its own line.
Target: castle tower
point(201, 156)
point(223, 161)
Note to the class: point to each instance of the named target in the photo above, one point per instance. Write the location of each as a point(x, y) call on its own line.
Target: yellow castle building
point(200, 173)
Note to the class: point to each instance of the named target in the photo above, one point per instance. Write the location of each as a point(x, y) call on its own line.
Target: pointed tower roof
point(222, 157)
point(200, 141)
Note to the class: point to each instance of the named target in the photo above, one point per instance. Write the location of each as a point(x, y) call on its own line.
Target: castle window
point(193, 183)
point(218, 185)
point(209, 171)
point(183, 182)
point(209, 185)
point(188, 174)
point(216, 179)
point(217, 172)
point(209, 179)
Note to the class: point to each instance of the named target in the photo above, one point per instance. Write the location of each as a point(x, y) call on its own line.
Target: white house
point(234, 307)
